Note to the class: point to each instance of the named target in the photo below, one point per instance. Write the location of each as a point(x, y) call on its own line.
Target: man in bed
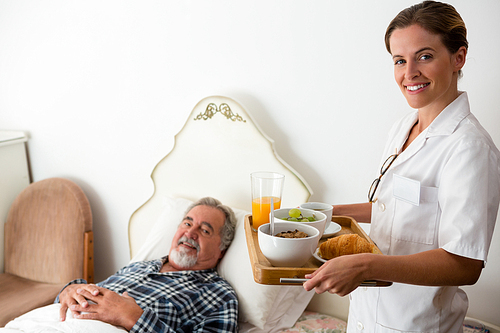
point(180, 292)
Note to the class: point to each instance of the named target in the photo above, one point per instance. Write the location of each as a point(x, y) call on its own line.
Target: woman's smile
point(417, 87)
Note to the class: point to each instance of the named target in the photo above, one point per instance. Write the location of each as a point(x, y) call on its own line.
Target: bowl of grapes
point(302, 215)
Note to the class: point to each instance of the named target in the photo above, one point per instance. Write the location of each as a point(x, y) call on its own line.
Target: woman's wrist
point(360, 212)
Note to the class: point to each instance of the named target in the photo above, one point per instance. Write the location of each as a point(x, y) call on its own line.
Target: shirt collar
point(444, 124)
point(449, 119)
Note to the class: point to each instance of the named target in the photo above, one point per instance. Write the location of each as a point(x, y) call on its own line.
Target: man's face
point(196, 243)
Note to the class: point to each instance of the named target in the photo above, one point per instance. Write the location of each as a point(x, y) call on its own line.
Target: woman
point(434, 206)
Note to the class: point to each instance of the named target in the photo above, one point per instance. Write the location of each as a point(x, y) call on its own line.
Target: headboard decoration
point(215, 159)
point(224, 109)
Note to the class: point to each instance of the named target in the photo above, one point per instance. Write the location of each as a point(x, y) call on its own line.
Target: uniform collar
point(448, 120)
point(444, 124)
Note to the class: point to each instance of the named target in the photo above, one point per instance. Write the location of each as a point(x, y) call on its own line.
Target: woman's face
point(424, 69)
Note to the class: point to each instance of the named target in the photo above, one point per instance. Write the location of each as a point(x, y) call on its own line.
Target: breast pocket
point(417, 223)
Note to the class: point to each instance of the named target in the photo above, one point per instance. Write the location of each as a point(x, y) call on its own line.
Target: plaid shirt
point(184, 301)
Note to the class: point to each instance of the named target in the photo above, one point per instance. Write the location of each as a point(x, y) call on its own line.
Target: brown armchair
point(48, 242)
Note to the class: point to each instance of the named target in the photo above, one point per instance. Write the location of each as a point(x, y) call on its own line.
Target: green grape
point(311, 218)
point(304, 220)
point(294, 212)
point(292, 219)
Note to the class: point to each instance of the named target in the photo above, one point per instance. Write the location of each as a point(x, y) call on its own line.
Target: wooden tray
point(265, 273)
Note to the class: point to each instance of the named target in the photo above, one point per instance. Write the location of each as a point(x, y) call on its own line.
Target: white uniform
point(443, 191)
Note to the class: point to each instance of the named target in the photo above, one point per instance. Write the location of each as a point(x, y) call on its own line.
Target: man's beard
point(180, 255)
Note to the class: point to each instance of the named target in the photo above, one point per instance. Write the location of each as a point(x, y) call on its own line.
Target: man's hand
point(72, 295)
point(109, 306)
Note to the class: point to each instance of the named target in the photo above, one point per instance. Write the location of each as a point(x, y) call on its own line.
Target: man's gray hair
point(229, 227)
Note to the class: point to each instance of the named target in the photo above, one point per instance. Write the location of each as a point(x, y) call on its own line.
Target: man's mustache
point(189, 241)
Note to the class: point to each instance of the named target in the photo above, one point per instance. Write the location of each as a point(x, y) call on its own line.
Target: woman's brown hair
point(436, 17)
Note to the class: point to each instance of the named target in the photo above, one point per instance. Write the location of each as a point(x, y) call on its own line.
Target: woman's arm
point(361, 212)
point(430, 268)
point(437, 267)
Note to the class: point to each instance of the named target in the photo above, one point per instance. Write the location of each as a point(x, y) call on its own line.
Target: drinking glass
point(265, 185)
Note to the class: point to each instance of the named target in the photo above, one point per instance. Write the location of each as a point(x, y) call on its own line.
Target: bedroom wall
point(102, 87)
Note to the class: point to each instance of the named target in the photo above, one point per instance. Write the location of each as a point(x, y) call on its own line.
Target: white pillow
point(157, 244)
point(262, 308)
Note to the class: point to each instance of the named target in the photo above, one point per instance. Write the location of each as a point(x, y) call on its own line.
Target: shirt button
point(381, 207)
point(360, 326)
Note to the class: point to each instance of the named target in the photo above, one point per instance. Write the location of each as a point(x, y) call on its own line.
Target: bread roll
point(345, 244)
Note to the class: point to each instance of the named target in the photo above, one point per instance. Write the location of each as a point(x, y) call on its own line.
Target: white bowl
point(325, 208)
point(320, 223)
point(287, 252)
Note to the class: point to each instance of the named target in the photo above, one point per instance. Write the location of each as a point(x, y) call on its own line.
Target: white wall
point(102, 87)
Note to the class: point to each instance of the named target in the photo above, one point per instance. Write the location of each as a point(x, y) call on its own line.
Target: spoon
point(272, 217)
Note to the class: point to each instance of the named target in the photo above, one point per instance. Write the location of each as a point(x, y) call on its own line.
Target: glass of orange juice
point(265, 185)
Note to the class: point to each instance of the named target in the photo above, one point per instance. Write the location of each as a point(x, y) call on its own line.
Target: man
point(180, 292)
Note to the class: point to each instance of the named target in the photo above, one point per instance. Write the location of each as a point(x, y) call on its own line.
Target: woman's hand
point(339, 275)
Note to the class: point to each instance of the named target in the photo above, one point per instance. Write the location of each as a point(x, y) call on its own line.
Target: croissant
point(344, 244)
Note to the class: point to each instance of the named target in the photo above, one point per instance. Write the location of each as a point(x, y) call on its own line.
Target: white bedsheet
point(46, 320)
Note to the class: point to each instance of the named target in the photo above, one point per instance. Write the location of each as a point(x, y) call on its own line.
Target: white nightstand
point(14, 175)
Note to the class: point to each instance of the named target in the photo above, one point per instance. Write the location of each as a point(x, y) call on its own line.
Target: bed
point(213, 155)
point(220, 132)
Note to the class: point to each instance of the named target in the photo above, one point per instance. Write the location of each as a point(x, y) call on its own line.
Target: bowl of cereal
point(292, 244)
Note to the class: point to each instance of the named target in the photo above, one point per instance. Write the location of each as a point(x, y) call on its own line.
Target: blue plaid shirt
point(185, 301)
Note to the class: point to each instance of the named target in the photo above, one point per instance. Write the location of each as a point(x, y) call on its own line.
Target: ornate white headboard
point(213, 155)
